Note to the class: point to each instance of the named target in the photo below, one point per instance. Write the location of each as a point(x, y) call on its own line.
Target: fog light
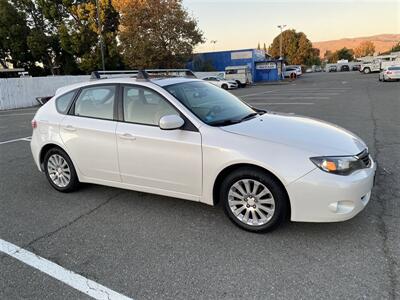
point(341, 207)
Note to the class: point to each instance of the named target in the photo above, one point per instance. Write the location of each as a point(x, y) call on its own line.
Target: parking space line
point(255, 94)
point(76, 281)
point(21, 114)
point(284, 103)
point(26, 139)
point(289, 98)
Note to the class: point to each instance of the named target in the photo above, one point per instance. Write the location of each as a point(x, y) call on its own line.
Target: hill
point(382, 42)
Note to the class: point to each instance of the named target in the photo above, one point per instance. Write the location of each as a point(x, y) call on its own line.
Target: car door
point(88, 132)
point(162, 160)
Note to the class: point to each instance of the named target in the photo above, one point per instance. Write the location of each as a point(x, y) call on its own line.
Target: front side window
point(212, 105)
point(144, 106)
point(63, 102)
point(96, 102)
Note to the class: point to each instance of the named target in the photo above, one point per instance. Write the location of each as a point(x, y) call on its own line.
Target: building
point(261, 65)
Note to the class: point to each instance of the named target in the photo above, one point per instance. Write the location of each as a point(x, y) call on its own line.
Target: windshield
point(211, 104)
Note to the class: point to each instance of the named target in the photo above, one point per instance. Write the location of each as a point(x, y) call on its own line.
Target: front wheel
point(254, 200)
point(60, 171)
point(224, 86)
point(367, 70)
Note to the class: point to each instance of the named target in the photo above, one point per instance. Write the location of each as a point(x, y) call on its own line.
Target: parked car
point(290, 73)
point(390, 73)
point(356, 67)
point(240, 74)
point(298, 69)
point(332, 69)
point(309, 70)
point(185, 138)
point(344, 68)
point(43, 100)
point(222, 83)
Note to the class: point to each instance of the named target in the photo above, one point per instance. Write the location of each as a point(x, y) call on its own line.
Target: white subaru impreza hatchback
point(188, 139)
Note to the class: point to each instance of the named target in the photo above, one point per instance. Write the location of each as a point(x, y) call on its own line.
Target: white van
point(240, 74)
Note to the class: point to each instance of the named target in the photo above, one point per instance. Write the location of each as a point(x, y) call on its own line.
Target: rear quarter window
point(63, 102)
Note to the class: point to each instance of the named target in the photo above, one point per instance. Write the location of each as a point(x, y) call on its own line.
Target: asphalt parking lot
point(152, 247)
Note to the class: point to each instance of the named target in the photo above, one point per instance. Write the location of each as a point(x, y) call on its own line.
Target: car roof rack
point(143, 74)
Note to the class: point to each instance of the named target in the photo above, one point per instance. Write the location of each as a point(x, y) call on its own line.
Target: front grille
point(364, 158)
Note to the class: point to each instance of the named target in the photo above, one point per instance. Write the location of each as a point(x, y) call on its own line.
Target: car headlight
point(340, 165)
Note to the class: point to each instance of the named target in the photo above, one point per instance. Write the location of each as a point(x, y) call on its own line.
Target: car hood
point(316, 136)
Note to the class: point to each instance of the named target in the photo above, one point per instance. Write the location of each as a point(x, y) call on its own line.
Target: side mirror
point(171, 122)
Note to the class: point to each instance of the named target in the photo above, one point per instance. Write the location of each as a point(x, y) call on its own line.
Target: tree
point(258, 46)
point(156, 33)
point(314, 58)
point(13, 37)
point(366, 48)
point(296, 47)
point(345, 53)
point(396, 47)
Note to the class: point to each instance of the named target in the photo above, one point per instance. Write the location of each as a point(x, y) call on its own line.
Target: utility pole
point(213, 42)
point(280, 41)
point(100, 35)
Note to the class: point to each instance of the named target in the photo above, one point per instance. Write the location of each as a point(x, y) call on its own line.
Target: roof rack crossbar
point(144, 74)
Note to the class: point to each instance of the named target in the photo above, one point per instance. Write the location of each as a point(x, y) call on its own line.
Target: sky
point(238, 24)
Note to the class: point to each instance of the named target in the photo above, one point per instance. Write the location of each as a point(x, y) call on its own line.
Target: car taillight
point(34, 124)
point(388, 72)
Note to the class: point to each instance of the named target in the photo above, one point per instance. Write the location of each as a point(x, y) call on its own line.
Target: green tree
point(396, 47)
point(13, 37)
point(157, 33)
point(296, 47)
point(345, 53)
point(258, 46)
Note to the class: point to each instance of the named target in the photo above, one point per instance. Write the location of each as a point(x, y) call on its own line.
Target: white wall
point(21, 92)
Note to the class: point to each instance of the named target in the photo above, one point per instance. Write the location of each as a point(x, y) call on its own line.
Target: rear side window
point(394, 68)
point(63, 102)
point(96, 102)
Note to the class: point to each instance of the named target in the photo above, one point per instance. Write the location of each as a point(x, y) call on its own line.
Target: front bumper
point(322, 197)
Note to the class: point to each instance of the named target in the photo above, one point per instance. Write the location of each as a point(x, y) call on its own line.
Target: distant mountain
point(382, 42)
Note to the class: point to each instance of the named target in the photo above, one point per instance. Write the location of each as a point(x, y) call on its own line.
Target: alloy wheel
point(251, 202)
point(59, 170)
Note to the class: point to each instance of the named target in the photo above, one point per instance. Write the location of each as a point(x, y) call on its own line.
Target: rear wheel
point(60, 171)
point(367, 70)
point(253, 200)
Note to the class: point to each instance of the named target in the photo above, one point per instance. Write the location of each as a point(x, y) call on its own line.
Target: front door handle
point(69, 128)
point(127, 136)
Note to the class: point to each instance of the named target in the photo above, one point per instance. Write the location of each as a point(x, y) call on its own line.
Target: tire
point(249, 207)
point(55, 161)
point(224, 86)
point(367, 70)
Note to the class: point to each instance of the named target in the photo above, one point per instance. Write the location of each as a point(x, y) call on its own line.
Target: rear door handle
point(69, 128)
point(127, 136)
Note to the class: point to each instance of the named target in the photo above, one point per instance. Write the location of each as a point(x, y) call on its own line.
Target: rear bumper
point(322, 197)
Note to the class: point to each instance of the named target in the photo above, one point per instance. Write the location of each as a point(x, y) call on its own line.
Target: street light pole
point(213, 42)
point(280, 40)
point(100, 35)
